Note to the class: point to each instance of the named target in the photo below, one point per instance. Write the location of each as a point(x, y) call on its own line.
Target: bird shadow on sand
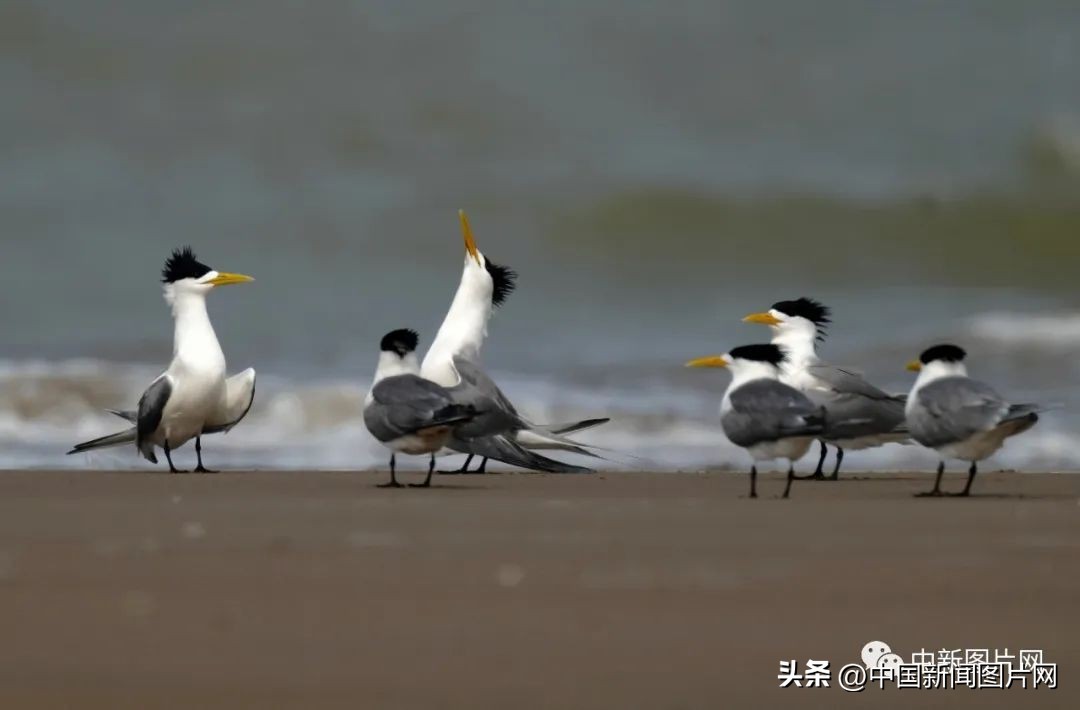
point(435, 487)
point(998, 496)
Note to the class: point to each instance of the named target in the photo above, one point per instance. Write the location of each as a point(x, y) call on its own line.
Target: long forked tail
point(553, 436)
point(1020, 418)
point(510, 452)
point(572, 427)
point(1021, 411)
point(117, 439)
point(539, 439)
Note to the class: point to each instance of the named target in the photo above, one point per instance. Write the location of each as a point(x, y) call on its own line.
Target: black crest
point(402, 341)
point(503, 278)
point(764, 352)
point(813, 311)
point(945, 352)
point(183, 265)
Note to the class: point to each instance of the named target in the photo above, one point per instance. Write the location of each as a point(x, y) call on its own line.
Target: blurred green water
point(983, 241)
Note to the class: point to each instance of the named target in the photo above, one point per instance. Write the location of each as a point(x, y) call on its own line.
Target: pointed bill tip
point(225, 278)
point(710, 361)
point(762, 318)
point(466, 233)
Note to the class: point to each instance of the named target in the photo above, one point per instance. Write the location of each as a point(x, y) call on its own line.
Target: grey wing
point(502, 448)
point(405, 404)
point(856, 408)
point(387, 422)
point(482, 385)
point(851, 416)
point(412, 389)
point(845, 381)
point(767, 410)
point(954, 408)
point(151, 408)
point(496, 414)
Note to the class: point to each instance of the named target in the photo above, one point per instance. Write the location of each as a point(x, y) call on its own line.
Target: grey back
point(953, 409)
point(496, 414)
point(404, 404)
point(768, 410)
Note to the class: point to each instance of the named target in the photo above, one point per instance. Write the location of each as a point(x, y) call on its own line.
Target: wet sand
point(314, 589)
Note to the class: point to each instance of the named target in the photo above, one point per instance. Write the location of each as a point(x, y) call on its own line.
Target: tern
point(957, 416)
point(454, 357)
point(760, 413)
point(860, 415)
point(192, 397)
point(405, 412)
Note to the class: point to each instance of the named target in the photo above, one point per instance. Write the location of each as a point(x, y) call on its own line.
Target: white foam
point(47, 407)
point(1060, 330)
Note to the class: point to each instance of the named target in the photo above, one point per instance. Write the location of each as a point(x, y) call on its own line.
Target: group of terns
point(446, 403)
point(782, 396)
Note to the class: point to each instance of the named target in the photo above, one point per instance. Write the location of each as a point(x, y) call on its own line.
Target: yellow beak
point(710, 361)
point(914, 366)
point(763, 318)
point(466, 232)
point(224, 278)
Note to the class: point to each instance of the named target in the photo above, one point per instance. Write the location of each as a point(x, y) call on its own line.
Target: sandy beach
point(629, 590)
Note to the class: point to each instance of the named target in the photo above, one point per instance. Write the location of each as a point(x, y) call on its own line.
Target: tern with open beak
point(454, 359)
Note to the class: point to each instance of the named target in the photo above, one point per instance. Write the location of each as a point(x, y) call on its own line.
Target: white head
point(187, 279)
point(486, 281)
point(484, 285)
point(795, 324)
point(397, 354)
point(939, 361)
point(747, 362)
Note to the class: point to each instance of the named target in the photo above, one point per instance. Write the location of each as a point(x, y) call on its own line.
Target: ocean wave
point(45, 407)
point(1055, 330)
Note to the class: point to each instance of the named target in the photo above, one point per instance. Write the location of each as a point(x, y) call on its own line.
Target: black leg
point(839, 460)
point(198, 453)
point(753, 481)
point(427, 481)
point(790, 478)
point(820, 463)
point(483, 466)
point(168, 457)
point(464, 468)
point(937, 483)
point(971, 477)
point(393, 476)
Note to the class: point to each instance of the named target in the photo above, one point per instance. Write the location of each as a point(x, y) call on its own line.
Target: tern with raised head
point(454, 359)
point(192, 397)
point(957, 416)
point(768, 418)
point(405, 412)
point(860, 415)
